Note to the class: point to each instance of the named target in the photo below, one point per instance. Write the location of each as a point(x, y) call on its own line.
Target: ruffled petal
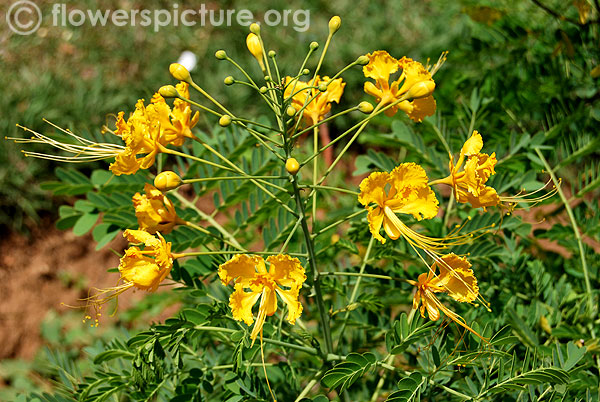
point(422, 107)
point(420, 202)
point(286, 270)
point(456, 278)
point(408, 175)
point(372, 188)
point(381, 65)
point(240, 267)
point(241, 303)
point(141, 236)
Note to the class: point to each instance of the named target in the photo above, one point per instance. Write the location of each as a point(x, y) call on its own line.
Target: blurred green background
point(535, 69)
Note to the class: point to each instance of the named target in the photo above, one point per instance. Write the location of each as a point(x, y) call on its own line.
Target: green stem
point(209, 219)
point(315, 272)
point(586, 275)
point(203, 179)
point(310, 385)
point(341, 190)
point(339, 221)
point(219, 252)
point(356, 286)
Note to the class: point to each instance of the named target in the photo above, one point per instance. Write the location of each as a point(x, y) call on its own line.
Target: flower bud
point(229, 80)
point(334, 24)
point(292, 166)
point(255, 28)
point(220, 54)
point(290, 111)
point(272, 53)
point(306, 71)
point(225, 120)
point(167, 180)
point(365, 107)
point(180, 73)
point(263, 90)
point(322, 87)
point(421, 89)
point(253, 45)
point(314, 45)
point(362, 60)
point(168, 91)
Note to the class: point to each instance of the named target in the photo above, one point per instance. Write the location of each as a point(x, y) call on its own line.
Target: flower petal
point(372, 188)
point(241, 303)
point(408, 175)
point(290, 297)
point(381, 65)
point(375, 218)
point(286, 270)
point(422, 107)
point(240, 267)
point(473, 145)
point(456, 278)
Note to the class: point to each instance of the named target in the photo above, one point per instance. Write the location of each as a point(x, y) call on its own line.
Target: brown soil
point(38, 275)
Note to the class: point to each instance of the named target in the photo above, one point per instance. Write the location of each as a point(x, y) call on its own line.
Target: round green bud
point(365, 107)
point(229, 80)
point(255, 28)
point(168, 91)
point(290, 111)
point(220, 54)
point(263, 90)
point(267, 78)
point(272, 53)
point(292, 166)
point(323, 87)
point(362, 60)
point(225, 120)
point(314, 45)
point(306, 71)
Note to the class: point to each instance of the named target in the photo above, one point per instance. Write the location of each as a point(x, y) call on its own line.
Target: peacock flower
point(319, 102)
point(142, 135)
point(143, 269)
point(411, 92)
point(402, 191)
point(154, 211)
point(456, 279)
point(252, 282)
point(177, 123)
point(469, 175)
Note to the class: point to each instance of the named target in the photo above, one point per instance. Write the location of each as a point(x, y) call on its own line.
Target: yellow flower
point(141, 136)
point(146, 269)
point(402, 191)
point(253, 282)
point(469, 181)
point(456, 279)
point(177, 123)
point(154, 211)
point(414, 82)
point(319, 102)
point(143, 269)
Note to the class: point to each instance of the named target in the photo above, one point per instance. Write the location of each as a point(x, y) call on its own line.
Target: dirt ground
point(39, 274)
